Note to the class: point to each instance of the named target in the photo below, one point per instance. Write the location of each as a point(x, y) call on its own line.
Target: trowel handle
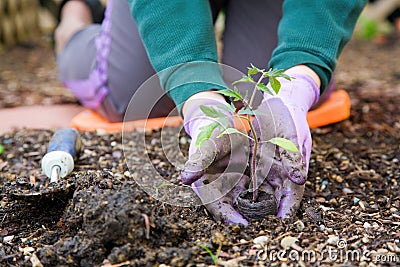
point(67, 140)
point(63, 148)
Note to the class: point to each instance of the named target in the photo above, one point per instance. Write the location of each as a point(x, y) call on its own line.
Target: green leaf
point(235, 94)
point(229, 131)
point(264, 88)
point(205, 133)
point(227, 108)
point(287, 77)
point(275, 84)
point(236, 90)
point(213, 257)
point(224, 122)
point(284, 143)
point(244, 79)
point(276, 73)
point(1, 149)
point(211, 112)
point(273, 73)
point(253, 70)
point(248, 111)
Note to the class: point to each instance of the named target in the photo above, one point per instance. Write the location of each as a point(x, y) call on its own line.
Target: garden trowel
point(58, 162)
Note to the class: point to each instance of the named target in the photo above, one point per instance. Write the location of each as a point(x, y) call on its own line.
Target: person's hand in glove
point(216, 165)
point(281, 172)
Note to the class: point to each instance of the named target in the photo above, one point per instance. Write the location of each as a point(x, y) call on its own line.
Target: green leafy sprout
point(214, 257)
point(245, 112)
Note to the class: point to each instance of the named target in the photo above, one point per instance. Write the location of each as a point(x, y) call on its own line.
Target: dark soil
point(351, 203)
point(264, 205)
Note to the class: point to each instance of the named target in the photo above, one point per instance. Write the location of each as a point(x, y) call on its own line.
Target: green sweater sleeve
point(179, 38)
point(313, 33)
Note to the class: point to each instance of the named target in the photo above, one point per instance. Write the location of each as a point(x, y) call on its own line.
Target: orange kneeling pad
point(336, 108)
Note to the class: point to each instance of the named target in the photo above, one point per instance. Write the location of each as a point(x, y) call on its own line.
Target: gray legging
point(104, 65)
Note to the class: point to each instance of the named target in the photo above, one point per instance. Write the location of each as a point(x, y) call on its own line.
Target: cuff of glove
point(312, 84)
point(95, 6)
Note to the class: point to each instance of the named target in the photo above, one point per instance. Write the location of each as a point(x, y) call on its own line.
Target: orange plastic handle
point(335, 109)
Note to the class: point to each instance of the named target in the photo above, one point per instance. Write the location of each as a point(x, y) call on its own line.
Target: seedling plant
point(213, 256)
point(245, 112)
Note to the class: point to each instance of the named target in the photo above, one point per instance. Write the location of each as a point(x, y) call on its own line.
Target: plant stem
point(254, 159)
point(255, 148)
point(254, 91)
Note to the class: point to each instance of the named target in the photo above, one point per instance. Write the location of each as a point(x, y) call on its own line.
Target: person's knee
point(75, 16)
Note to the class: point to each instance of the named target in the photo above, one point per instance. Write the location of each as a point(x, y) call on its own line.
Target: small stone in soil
point(288, 241)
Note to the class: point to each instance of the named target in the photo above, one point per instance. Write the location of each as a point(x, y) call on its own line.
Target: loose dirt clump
point(111, 224)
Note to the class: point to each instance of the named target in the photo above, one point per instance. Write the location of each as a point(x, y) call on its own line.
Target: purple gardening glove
point(215, 168)
point(279, 171)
